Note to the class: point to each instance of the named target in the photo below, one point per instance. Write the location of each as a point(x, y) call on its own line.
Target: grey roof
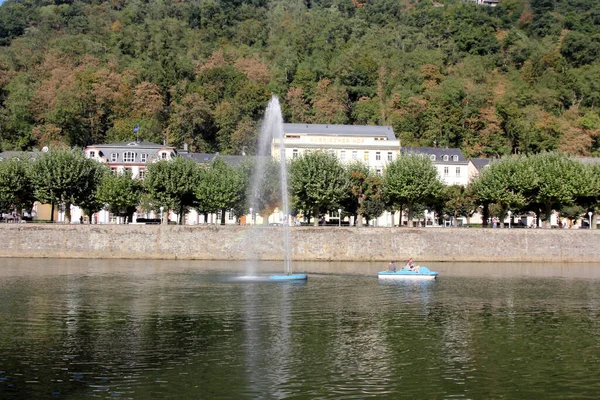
point(340, 130)
point(480, 162)
point(131, 144)
point(438, 152)
point(148, 148)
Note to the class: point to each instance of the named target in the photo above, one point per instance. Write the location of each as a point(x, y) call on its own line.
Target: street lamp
point(590, 217)
point(161, 214)
point(340, 217)
point(509, 219)
point(425, 214)
point(251, 216)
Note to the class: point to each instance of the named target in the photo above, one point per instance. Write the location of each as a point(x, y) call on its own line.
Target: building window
point(143, 157)
point(92, 154)
point(446, 172)
point(163, 156)
point(390, 156)
point(113, 157)
point(379, 171)
point(295, 153)
point(231, 215)
point(129, 156)
point(113, 171)
point(445, 157)
point(366, 156)
point(378, 156)
point(127, 171)
point(142, 173)
point(343, 154)
point(432, 157)
point(457, 171)
point(355, 155)
point(454, 158)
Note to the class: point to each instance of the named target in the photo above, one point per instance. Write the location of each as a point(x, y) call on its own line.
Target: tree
point(263, 185)
point(221, 188)
point(317, 182)
point(171, 184)
point(365, 187)
point(409, 180)
point(120, 193)
point(458, 202)
point(507, 183)
point(64, 176)
point(91, 203)
point(559, 181)
point(16, 185)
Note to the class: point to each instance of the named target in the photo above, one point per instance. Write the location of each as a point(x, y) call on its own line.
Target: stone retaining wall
point(309, 243)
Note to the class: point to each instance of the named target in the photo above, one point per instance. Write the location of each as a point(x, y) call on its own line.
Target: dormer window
point(454, 158)
point(432, 157)
point(163, 155)
point(113, 157)
point(143, 157)
point(445, 157)
point(92, 154)
point(129, 157)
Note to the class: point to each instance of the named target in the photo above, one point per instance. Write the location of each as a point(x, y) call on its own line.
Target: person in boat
point(411, 266)
point(392, 266)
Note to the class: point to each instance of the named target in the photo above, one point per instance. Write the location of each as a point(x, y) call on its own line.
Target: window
point(378, 156)
point(390, 156)
point(445, 157)
point(343, 154)
point(113, 157)
point(113, 171)
point(92, 154)
point(379, 171)
point(295, 153)
point(455, 158)
point(366, 156)
point(432, 157)
point(355, 155)
point(127, 171)
point(143, 157)
point(163, 156)
point(457, 171)
point(446, 172)
point(129, 156)
point(142, 173)
point(231, 215)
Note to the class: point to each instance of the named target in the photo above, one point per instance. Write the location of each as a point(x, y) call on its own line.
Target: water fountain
point(272, 128)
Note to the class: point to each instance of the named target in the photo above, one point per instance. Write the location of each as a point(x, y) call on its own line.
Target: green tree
point(317, 182)
point(171, 184)
point(16, 185)
point(220, 189)
point(120, 193)
point(64, 177)
point(365, 187)
point(409, 180)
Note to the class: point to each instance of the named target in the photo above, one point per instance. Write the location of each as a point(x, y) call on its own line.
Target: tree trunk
point(485, 215)
point(548, 219)
point(594, 221)
point(206, 217)
point(181, 214)
point(455, 219)
point(316, 215)
point(68, 213)
point(223, 217)
point(409, 217)
point(52, 211)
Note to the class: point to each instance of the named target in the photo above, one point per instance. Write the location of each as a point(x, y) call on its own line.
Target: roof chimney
point(185, 147)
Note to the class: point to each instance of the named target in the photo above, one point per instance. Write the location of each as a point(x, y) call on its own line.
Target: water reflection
point(162, 329)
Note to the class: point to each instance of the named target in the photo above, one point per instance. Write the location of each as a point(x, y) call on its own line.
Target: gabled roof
point(340, 130)
point(130, 144)
point(437, 152)
point(206, 158)
point(480, 162)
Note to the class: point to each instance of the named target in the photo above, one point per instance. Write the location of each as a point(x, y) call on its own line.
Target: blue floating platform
point(293, 277)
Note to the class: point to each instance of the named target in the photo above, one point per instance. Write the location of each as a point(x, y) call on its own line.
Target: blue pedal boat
point(423, 274)
point(292, 277)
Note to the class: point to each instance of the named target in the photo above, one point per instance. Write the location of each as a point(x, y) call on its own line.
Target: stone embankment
point(309, 243)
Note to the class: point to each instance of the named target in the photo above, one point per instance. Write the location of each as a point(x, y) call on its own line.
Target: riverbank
point(309, 243)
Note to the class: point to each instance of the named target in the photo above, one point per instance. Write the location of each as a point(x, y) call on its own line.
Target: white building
point(373, 145)
point(451, 164)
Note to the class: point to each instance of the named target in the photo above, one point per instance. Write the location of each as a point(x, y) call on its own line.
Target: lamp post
point(509, 219)
point(590, 218)
point(425, 215)
point(161, 214)
point(251, 216)
point(339, 217)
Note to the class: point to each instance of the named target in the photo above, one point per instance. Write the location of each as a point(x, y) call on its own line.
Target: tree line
point(520, 78)
point(319, 184)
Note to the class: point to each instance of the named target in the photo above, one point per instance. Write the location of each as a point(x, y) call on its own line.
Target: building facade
point(451, 164)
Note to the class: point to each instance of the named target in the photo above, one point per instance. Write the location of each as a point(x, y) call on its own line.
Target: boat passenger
point(411, 266)
point(392, 266)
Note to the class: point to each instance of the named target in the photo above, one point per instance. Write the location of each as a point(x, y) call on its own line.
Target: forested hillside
point(519, 78)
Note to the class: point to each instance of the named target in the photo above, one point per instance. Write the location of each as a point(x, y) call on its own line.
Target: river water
point(177, 329)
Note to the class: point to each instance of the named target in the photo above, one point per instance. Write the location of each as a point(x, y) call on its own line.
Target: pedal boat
point(404, 273)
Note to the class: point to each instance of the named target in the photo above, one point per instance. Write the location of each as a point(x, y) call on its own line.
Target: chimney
point(185, 147)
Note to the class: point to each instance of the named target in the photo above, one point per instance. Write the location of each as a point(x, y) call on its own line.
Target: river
point(190, 330)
